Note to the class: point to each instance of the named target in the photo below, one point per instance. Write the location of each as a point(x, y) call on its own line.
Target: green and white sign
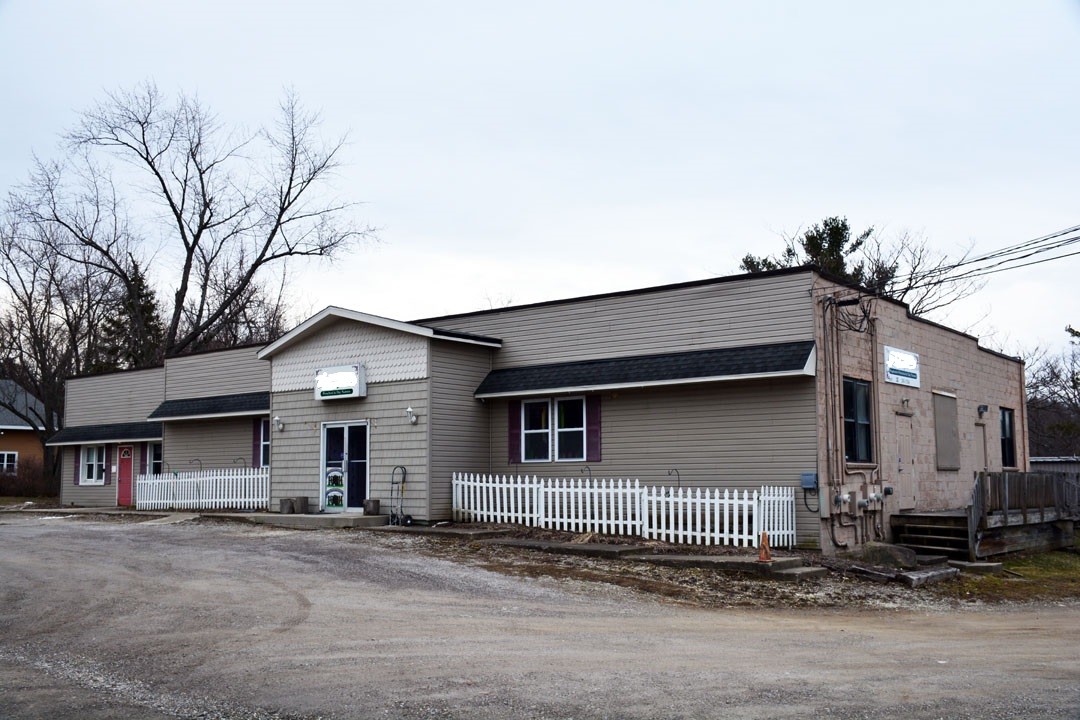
point(340, 382)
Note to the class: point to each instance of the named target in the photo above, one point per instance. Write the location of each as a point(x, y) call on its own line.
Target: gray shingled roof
point(242, 404)
point(107, 433)
point(27, 404)
point(649, 369)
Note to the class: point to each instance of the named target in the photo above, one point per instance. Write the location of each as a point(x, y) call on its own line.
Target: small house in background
point(20, 441)
point(195, 412)
point(787, 378)
point(1060, 464)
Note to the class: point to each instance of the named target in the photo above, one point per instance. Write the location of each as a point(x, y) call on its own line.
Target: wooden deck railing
point(1020, 498)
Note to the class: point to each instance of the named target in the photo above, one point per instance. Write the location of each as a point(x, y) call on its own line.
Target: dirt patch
point(696, 587)
point(1052, 577)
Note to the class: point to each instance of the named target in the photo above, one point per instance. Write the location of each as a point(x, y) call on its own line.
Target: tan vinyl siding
point(230, 372)
point(114, 398)
point(729, 314)
point(295, 451)
point(214, 443)
point(459, 422)
point(387, 355)
point(84, 495)
point(739, 435)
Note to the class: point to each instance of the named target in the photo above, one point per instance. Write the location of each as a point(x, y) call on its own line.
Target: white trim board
point(332, 313)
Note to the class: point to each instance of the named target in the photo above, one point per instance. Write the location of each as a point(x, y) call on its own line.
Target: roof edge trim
point(110, 441)
point(333, 312)
point(209, 416)
point(806, 371)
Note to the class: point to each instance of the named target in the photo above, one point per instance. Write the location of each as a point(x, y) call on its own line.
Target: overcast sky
point(522, 152)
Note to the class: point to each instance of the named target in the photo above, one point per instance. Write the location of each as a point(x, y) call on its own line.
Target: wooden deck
point(1009, 512)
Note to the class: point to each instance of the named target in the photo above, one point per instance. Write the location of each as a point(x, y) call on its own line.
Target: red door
point(123, 476)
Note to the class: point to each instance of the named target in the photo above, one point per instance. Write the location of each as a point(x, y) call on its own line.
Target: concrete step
point(977, 568)
point(457, 531)
point(731, 563)
point(918, 578)
point(932, 560)
point(602, 550)
point(320, 521)
point(799, 574)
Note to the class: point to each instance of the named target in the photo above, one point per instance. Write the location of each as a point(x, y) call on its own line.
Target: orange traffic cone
point(764, 554)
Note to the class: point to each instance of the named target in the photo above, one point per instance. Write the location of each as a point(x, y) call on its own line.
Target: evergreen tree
point(132, 334)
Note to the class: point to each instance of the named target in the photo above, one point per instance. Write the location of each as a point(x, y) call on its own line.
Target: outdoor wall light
point(983, 409)
point(411, 415)
point(279, 423)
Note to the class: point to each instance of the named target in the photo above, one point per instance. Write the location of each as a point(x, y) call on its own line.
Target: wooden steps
point(932, 533)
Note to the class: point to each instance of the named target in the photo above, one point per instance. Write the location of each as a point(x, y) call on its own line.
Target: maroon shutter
point(256, 442)
point(76, 461)
point(108, 464)
point(592, 428)
point(513, 422)
point(142, 458)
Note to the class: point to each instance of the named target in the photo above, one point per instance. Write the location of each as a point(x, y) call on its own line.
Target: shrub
point(29, 480)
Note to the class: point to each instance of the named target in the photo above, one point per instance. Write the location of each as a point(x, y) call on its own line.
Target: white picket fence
point(700, 516)
point(232, 488)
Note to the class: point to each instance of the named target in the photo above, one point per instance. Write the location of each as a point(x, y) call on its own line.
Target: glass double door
point(345, 466)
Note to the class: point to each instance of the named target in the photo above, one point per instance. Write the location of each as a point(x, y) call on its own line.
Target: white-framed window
point(155, 458)
point(570, 429)
point(561, 439)
point(93, 465)
point(264, 443)
point(536, 431)
point(9, 463)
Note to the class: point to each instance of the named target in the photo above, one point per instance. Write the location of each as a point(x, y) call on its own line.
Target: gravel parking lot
point(127, 620)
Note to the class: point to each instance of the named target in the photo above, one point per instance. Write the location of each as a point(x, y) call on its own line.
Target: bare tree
point(1053, 389)
point(226, 207)
point(49, 323)
point(909, 270)
point(905, 268)
point(157, 185)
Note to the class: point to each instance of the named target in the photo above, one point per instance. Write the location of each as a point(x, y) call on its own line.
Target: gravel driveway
point(126, 620)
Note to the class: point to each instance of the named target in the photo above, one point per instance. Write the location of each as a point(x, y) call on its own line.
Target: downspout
point(1023, 419)
point(829, 360)
point(879, 513)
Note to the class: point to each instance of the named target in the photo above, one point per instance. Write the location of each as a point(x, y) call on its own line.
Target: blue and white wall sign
point(901, 367)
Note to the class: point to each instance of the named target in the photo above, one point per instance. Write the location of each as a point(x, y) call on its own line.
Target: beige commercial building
point(786, 378)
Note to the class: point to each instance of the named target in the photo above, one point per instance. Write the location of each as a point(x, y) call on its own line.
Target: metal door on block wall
point(124, 455)
point(906, 479)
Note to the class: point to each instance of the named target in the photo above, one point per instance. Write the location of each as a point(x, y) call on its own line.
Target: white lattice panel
point(388, 355)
